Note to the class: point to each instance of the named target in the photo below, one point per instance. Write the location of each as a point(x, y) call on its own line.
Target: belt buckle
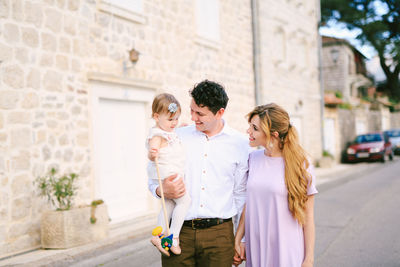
point(194, 228)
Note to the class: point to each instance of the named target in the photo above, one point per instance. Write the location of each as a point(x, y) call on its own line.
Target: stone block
point(16, 9)
point(18, 229)
point(21, 208)
point(22, 55)
point(40, 136)
point(62, 62)
point(53, 19)
point(4, 8)
point(70, 25)
point(82, 139)
point(30, 37)
point(46, 153)
point(52, 81)
point(21, 137)
point(30, 101)
point(21, 162)
point(46, 60)
point(5, 52)
point(49, 42)
point(64, 45)
point(33, 13)
point(66, 229)
point(21, 185)
point(8, 99)
point(73, 5)
point(19, 117)
point(3, 137)
point(60, 3)
point(12, 76)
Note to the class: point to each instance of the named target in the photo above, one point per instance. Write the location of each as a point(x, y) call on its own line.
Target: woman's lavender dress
point(273, 237)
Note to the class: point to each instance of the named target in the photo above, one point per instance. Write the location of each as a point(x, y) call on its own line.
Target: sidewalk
point(124, 238)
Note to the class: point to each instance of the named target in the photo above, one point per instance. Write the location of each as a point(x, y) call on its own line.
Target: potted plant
point(327, 160)
point(68, 226)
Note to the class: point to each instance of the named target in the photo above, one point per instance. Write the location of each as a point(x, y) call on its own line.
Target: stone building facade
point(71, 98)
point(344, 69)
point(289, 65)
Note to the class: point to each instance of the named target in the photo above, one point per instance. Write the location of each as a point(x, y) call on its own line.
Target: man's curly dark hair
point(210, 94)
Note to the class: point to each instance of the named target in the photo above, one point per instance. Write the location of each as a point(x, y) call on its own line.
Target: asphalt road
point(357, 219)
point(357, 224)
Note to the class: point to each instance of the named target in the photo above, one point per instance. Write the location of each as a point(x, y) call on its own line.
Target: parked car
point(394, 138)
point(369, 147)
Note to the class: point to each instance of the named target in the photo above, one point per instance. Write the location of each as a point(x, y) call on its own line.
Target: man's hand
point(173, 189)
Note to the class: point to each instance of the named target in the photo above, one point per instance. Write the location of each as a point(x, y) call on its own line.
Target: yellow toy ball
point(166, 248)
point(157, 231)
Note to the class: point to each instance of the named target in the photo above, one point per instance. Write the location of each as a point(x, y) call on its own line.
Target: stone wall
point(347, 127)
point(289, 65)
point(395, 120)
point(47, 48)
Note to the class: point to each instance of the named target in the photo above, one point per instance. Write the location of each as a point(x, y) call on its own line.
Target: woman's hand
point(240, 253)
point(307, 263)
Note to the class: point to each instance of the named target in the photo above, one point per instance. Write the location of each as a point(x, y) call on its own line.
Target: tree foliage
point(379, 25)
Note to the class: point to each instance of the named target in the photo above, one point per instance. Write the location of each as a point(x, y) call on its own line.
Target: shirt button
point(205, 155)
point(202, 188)
point(204, 171)
point(201, 205)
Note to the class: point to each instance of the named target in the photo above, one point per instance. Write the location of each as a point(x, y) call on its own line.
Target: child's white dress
point(171, 160)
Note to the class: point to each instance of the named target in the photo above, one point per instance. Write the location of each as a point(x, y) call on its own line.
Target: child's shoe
point(175, 248)
point(156, 241)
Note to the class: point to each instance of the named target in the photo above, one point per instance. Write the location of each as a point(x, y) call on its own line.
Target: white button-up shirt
point(215, 172)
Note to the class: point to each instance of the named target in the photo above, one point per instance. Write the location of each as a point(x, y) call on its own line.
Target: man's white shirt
point(215, 172)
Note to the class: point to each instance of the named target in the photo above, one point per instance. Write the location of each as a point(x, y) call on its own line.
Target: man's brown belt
point(204, 223)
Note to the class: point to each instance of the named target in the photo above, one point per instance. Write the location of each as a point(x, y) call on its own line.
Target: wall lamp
point(335, 55)
point(133, 57)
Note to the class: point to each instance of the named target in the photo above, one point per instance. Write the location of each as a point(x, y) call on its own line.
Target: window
point(279, 48)
point(129, 9)
point(207, 22)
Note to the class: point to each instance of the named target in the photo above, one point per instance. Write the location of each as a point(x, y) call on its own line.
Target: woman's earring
point(270, 145)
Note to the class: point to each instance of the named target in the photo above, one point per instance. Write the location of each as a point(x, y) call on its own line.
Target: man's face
point(205, 120)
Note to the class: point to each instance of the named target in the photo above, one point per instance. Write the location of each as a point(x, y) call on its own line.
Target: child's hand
point(153, 154)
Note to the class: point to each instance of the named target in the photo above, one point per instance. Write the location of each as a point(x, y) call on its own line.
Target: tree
point(379, 25)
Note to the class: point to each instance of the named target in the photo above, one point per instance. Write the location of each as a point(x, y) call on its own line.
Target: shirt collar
point(225, 130)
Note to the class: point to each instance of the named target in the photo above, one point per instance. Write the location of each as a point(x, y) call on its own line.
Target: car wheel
point(383, 158)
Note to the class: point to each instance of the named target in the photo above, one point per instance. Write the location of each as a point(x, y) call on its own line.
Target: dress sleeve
point(311, 190)
point(156, 132)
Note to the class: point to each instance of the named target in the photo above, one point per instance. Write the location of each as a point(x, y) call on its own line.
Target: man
point(215, 176)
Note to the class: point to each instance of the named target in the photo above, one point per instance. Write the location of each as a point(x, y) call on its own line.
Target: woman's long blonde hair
point(273, 118)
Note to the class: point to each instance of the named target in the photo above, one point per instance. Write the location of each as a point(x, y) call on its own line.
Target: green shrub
point(59, 190)
point(326, 153)
point(339, 94)
point(345, 106)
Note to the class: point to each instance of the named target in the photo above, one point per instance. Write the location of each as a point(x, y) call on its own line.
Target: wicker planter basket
point(70, 228)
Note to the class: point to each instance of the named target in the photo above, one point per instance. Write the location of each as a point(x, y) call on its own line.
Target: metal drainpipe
point(256, 51)
point(321, 81)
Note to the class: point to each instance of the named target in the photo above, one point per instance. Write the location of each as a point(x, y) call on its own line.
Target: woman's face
point(257, 136)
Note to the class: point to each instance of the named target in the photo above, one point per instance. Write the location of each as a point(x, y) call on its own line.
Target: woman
point(279, 214)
